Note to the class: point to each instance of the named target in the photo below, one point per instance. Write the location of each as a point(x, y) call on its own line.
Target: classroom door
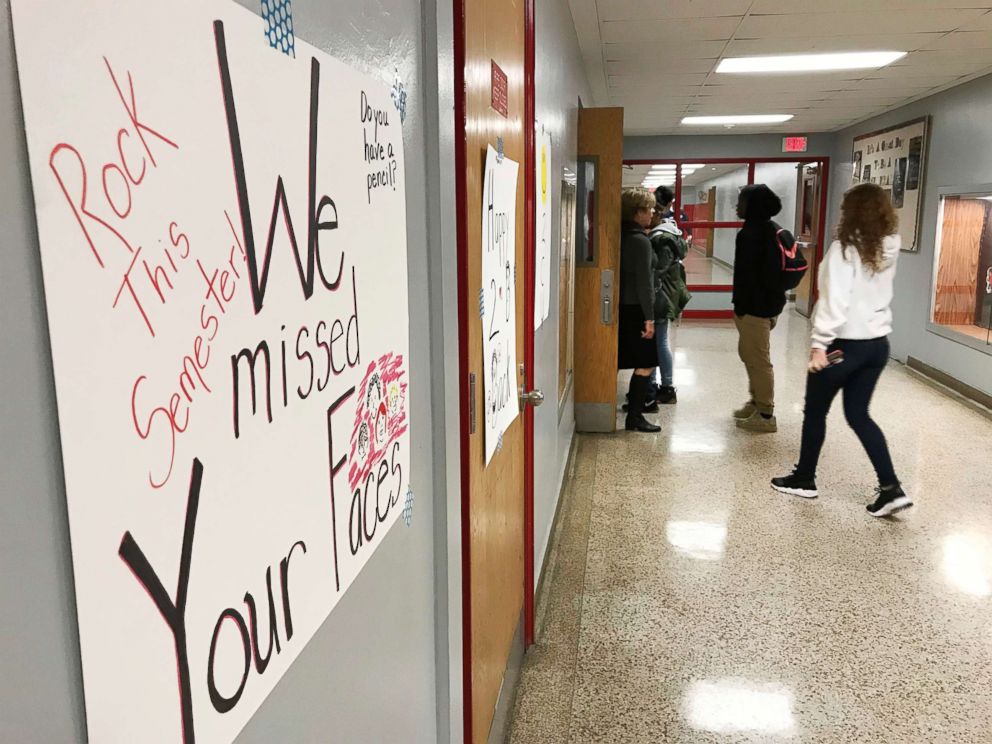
point(597, 267)
point(490, 107)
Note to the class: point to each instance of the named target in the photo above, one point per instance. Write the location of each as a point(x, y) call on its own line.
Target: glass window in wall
point(783, 179)
point(709, 194)
point(962, 297)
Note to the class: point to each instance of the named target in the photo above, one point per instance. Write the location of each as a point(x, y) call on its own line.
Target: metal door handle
point(533, 398)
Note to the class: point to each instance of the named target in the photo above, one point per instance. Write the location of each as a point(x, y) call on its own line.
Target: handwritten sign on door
point(223, 239)
point(499, 312)
point(542, 228)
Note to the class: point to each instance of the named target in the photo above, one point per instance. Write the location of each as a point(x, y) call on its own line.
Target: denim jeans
point(857, 376)
point(666, 363)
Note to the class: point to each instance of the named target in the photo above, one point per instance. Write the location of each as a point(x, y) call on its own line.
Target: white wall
point(559, 83)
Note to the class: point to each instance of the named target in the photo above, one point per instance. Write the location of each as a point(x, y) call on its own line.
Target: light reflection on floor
point(727, 706)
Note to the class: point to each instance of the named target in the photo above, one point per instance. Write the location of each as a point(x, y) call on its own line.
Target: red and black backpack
point(794, 266)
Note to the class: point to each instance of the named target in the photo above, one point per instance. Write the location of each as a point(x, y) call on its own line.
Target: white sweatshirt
point(854, 303)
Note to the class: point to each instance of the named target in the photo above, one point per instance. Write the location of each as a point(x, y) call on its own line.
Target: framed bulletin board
point(896, 159)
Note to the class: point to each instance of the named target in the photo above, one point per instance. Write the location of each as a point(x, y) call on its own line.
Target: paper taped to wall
point(228, 317)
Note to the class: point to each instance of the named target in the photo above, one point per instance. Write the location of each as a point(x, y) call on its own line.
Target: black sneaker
point(794, 486)
point(667, 396)
point(889, 501)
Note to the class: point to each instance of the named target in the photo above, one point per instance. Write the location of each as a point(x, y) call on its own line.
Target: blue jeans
point(666, 363)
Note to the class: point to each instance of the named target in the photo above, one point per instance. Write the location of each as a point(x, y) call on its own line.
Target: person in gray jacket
point(635, 338)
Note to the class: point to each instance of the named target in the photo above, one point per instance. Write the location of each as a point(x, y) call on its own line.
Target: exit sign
point(794, 144)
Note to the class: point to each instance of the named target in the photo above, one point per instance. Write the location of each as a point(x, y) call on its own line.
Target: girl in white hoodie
point(850, 345)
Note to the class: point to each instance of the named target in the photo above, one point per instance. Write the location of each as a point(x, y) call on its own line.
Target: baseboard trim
point(566, 478)
point(981, 401)
point(499, 731)
point(597, 418)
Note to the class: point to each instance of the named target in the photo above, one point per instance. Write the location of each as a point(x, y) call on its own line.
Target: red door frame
point(461, 233)
point(530, 271)
point(821, 160)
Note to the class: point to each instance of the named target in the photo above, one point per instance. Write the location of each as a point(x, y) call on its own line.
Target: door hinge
point(471, 402)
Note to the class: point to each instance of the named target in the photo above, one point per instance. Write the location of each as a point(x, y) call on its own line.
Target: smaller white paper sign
point(499, 315)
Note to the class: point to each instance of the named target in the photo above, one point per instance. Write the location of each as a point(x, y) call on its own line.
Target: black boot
point(666, 395)
point(639, 389)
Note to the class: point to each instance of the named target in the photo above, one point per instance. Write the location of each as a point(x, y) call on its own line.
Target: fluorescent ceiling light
point(810, 62)
point(731, 120)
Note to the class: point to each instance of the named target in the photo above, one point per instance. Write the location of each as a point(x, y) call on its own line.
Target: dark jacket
point(758, 288)
point(637, 269)
point(671, 293)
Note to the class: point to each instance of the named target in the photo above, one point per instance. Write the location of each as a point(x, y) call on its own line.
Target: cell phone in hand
point(835, 357)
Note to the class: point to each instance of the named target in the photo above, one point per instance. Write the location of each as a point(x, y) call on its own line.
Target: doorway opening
point(705, 208)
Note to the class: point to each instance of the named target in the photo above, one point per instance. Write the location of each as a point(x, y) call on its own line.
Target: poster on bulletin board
point(499, 297)
point(230, 344)
point(896, 160)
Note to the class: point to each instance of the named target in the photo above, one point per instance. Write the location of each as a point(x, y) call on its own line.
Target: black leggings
point(857, 376)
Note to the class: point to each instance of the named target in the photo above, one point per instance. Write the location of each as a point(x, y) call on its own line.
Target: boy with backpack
point(767, 263)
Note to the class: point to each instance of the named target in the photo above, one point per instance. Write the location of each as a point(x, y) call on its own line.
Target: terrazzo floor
point(702, 270)
point(685, 601)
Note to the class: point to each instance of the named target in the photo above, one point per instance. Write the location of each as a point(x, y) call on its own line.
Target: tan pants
point(755, 350)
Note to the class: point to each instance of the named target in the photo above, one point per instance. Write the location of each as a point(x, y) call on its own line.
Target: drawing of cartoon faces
point(393, 401)
point(373, 394)
point(380, 425)
point(363, 442)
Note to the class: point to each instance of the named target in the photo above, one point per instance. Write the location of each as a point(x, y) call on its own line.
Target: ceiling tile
point(962, 40)
point(684, 29)
point(657, 57)
point(675, 66)
point(984, 23)
point(810, 44)
point(840, 24)
point(640, 10)
point(649, 52)
point(848, 6)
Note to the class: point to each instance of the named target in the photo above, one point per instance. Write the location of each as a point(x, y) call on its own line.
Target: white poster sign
point(542, 226)
point(223, 239)
point(499, 300)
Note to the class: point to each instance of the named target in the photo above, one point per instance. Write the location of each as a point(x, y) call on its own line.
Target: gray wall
point(960, 155)
point(559, 82)
point(384, 625)
point(718, 146)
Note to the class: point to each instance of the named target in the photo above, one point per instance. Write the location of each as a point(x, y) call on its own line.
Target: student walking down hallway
point(850, 345)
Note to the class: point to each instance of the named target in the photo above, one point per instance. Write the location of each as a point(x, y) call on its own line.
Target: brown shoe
point(758, 423)
point(746, 412)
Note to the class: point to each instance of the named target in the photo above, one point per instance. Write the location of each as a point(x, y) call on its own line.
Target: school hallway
point(686, 601)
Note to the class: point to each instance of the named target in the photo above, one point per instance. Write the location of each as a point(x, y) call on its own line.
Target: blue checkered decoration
point(408, 507)
point(278, 16)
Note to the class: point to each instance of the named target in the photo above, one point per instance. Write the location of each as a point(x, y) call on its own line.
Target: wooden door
point(493, 33)
point(601, 141)
point(807, 230)
point(957, 270)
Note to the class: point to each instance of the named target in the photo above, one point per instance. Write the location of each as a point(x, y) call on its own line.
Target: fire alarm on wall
point(794, 144)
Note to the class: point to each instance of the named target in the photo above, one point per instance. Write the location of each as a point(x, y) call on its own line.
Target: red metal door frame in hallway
point(463, 215)
point(751, 163)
